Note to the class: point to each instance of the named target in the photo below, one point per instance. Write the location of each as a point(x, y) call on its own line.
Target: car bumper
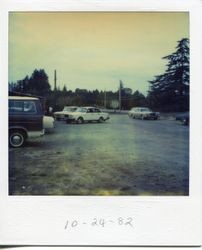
point(67, 119)
point(152, 116)
point(34, 134)
point(59, 117)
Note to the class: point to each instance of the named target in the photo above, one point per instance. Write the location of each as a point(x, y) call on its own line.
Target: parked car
point(48, 123)
point(143, 113)
point(84, 114)
point(63, 115)
point(25, 119)
point(183, 118)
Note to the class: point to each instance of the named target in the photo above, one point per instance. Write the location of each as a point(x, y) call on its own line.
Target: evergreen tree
point(38, 83)
point(138, 99)
point(170, 91)
point(64, 90)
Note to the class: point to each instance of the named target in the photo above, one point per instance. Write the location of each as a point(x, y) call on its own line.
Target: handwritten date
point(100, 222)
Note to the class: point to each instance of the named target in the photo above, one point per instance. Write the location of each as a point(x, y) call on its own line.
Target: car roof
point(22, 98)
point(90, 107)
point(70, 106)
point(142, 107)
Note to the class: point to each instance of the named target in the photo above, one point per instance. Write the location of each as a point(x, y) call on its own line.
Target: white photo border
point(158, 221)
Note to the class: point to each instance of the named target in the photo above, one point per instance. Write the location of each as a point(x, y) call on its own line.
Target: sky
point(94, 50)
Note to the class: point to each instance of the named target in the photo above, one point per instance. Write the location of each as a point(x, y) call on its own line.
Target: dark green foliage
point(37, 84)
point(170, 91)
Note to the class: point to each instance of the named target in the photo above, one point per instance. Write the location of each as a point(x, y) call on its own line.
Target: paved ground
point(120, 157)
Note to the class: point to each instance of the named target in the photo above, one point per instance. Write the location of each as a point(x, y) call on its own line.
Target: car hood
point(82, 113)
point(63, 112)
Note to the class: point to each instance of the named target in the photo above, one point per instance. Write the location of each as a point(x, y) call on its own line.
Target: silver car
point(143, 113)
point(88, 114)
point(64, 114)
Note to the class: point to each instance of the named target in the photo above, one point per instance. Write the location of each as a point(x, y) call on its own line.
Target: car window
point(66, 109)
point(29, 107)
point(97, 110)
point(71, 109)
point(15, 106)
point(144, 109)
point(81, 110)
point(22, 107)
point(90, 110)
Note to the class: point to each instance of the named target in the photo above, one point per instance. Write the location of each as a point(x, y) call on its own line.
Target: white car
point(84, 114)
point(62, 115)
point(48, 123)
point(143, 113)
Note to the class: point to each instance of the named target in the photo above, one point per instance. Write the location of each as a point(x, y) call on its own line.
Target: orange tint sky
point(94, 49)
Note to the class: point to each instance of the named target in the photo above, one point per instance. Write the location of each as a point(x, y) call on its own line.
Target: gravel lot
point(119, 157)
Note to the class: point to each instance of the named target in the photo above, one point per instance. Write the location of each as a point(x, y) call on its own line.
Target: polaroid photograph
point(101, 123)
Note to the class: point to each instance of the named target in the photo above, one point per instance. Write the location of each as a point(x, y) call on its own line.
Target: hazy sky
point(96, 49)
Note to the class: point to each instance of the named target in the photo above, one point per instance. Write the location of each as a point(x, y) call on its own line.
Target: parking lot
point(122, 156)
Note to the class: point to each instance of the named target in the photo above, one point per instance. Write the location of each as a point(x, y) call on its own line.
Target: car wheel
point(101, 119)
point(80, 120)
point(16, 138)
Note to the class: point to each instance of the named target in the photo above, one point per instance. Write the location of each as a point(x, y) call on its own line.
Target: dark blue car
point(183, 118)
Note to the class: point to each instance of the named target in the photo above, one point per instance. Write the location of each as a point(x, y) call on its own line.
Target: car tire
point(101, 119)
point(17, 138)
point(80, 120)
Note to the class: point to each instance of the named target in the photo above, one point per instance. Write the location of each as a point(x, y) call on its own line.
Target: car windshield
point(81, 110)
point(71, 109)
point(97, 110)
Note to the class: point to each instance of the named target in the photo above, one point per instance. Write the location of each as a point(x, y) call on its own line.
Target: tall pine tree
point(170, 91)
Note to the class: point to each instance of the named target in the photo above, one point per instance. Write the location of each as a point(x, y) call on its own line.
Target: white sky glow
point(94, 50)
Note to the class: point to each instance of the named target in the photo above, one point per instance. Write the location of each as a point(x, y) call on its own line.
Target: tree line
point(168, 91)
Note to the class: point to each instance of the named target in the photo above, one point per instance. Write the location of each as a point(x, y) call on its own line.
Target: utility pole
point(55, 87)
point(120, 89)
point(105, 99)
point(55, 80)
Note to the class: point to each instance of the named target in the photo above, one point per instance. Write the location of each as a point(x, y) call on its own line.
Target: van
point(25, 119)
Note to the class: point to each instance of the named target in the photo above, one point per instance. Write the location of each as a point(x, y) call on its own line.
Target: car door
point(89, 114)
point(97, 114)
